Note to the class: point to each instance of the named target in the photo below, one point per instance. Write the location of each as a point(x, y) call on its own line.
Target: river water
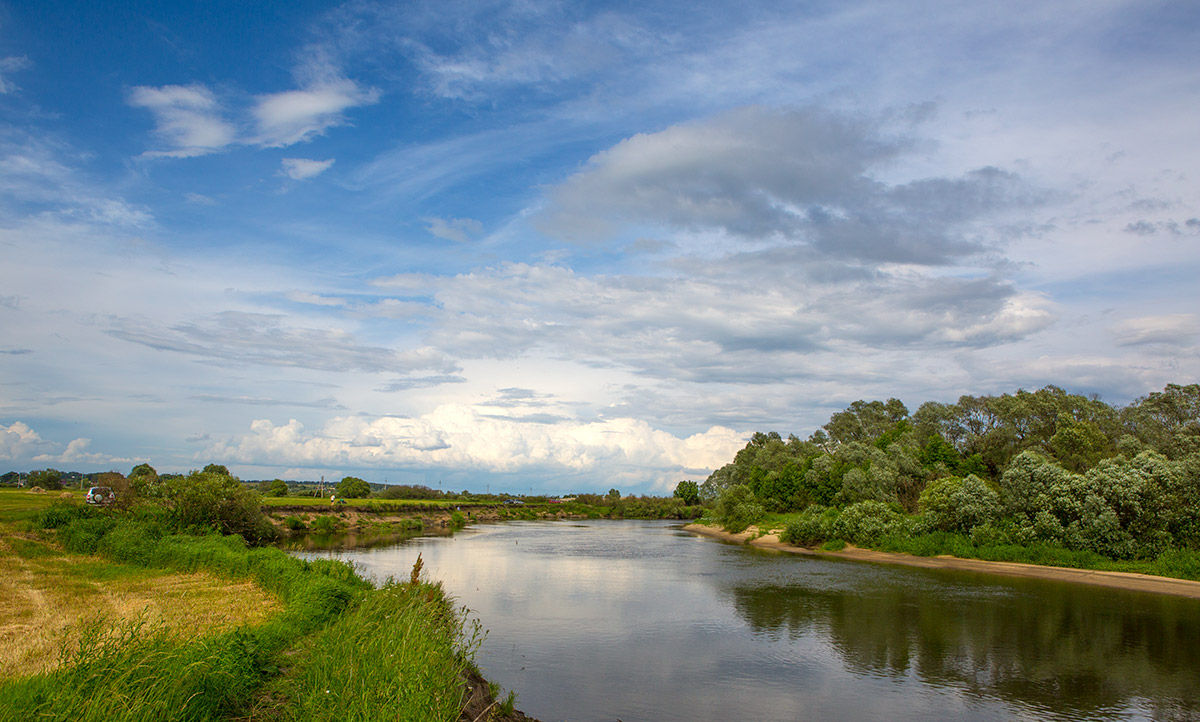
point(641, 621)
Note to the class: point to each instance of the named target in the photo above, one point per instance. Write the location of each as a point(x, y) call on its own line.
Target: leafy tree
point(278, 487)
point(145, 483)
point(216, 469)
point(49, 479)
point(737, 508)
point(1167, 421)
point(10, 478)
point(613, 495)
point(958, 505)
point(867, 522)
point(352, 487)
point(688, 492)
point(211, 500)
point(865, 421)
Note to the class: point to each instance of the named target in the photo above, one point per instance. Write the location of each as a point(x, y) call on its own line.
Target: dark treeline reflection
point(1054, 647)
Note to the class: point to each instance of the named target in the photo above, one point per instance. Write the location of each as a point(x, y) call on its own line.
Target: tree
point(351, 487)
point(216, 469)
point(211, 500)
point(614, 494)
point(145, 483)
point(278, 487)
point(688, 491)
point(49, 479)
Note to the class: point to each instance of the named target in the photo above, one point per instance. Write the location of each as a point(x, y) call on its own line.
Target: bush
point(866, 522)
point(958, 505)
point(813, 526)
point(737, 508)
point(216, 501)
point(324, 525)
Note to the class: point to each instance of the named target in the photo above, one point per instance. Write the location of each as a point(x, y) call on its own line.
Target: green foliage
point(352, 487)
point(278, 487)
point(49, 479)
point(813, 526)
point(866, 522)
point(959, 505)
point(737, 508)
point(353, 672)
point(216, 501)
point(688, 492)
point(324, 525)
point(294, 523)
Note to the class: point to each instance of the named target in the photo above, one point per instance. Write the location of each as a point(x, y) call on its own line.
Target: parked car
point(513, 501)
point(100, 495)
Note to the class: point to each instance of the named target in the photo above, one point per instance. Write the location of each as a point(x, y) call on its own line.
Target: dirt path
point(1115, 580)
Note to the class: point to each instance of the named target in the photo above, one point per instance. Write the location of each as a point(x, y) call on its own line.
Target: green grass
point(22, 505)
point(410, 673)
point(393, 653)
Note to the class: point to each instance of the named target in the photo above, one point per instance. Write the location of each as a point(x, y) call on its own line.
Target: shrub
point(813, 526)
point(324, 525)
point(958, 505)
point(294, 523)
point(866, 522)
point(737, 508)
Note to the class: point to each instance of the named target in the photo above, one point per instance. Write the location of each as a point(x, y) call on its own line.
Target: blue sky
point(547, 246)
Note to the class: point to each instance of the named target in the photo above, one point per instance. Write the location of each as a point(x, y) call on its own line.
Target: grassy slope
point(331, 634)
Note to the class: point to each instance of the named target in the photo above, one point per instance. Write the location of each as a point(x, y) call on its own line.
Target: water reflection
point(1062, 649)
point(640, 621)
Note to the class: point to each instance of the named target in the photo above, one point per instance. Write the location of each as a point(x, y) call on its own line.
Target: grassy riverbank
point(296, 640)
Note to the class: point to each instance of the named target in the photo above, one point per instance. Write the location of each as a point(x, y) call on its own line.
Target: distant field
point(324, 502)
point(18, 504)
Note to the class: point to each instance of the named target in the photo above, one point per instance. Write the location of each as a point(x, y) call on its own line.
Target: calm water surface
point(640, 621)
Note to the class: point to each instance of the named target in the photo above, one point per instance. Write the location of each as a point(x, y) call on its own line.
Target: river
point(641, 621)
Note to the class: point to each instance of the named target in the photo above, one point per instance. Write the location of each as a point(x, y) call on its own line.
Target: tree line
point(1045, 466)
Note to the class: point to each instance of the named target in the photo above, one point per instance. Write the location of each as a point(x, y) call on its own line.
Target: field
point(161, 624)
point(52, 597)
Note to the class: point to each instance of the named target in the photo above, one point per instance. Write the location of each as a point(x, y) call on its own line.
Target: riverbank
point(1113, 580)
point(115, 617)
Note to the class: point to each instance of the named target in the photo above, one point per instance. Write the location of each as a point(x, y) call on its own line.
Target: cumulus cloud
point(303, 168)
point(458, 230)
point(459, 437)
point(77, 453)
point(803, 176)
point(19, 441)
point(294, 116)
point(188, 119)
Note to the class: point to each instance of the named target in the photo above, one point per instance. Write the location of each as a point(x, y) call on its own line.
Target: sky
point(550, 247)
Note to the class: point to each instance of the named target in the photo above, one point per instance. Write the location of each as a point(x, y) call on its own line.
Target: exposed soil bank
point(1115, 580)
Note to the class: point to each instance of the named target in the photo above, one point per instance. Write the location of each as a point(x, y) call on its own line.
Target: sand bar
point(1116, 580)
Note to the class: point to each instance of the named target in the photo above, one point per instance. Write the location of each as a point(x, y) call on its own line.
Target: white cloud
point(458, 230)
point(19, 441)
point(460, 437)
point(1175, 329)
point(188, 119)
point(295, 116)
point(9, 65)
point(303, 168)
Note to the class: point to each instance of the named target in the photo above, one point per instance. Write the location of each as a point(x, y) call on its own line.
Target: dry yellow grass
point(50, 596)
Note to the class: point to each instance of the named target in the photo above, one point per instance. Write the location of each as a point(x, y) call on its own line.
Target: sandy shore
point(1116, 580)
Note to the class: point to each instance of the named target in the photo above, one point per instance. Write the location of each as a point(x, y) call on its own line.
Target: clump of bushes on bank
point(1042, 476)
